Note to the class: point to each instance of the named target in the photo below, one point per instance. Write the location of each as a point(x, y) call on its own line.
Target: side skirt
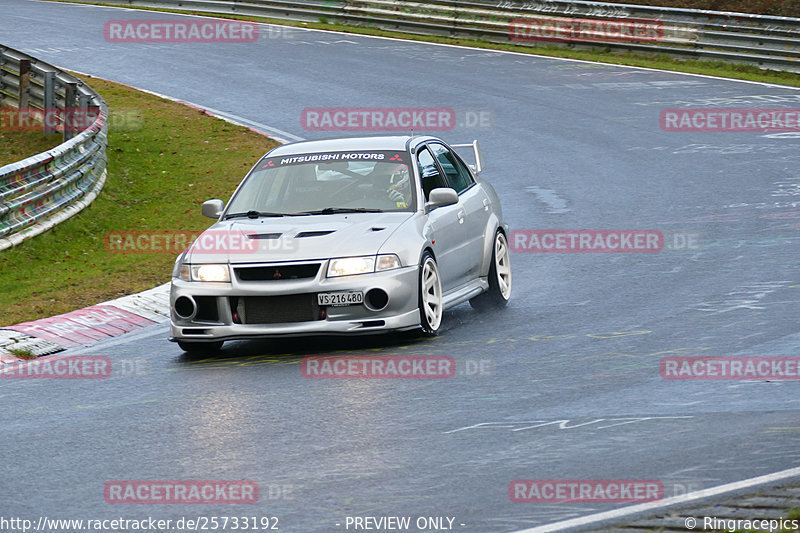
point(465, 292)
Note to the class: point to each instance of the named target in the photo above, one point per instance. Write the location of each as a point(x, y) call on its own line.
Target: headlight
point(218, 273)
point(350, 266)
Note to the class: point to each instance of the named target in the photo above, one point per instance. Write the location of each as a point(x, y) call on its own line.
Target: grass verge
point(21, 353)
point(159, 172)
point(663, 62)
point(17, 145)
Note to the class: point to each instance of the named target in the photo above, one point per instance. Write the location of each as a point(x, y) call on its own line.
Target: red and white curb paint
point(85, 326)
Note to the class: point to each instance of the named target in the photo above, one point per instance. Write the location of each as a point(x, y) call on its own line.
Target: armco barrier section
point(767, 41)
point(42, 190)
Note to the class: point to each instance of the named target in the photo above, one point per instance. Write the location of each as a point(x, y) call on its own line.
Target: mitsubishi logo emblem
point(277, 274)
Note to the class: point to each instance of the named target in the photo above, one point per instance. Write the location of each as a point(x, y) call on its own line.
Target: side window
point(429, 173)
point(457, 175)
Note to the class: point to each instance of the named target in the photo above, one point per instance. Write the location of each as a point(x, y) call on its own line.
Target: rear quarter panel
point(494, 223)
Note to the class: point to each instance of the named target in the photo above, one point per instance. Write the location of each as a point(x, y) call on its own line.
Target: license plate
point(340, 298)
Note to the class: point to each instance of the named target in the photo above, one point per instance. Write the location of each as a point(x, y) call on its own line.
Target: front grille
point(280, 309)
point(277, 272)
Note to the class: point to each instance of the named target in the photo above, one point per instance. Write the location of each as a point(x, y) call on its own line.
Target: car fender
point(488, 243)
point(494, 223)
point(410, 240)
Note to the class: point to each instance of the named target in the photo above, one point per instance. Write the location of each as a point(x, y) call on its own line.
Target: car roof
point(383, 142)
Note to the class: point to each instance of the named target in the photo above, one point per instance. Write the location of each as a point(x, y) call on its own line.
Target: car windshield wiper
point(255, 214)
point(335, 210)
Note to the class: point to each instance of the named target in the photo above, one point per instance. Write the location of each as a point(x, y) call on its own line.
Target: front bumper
point(218, 304)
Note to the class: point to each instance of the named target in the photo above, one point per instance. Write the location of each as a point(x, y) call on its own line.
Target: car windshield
point(326, 183)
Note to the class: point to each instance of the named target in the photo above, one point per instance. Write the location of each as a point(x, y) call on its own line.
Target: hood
point(296, 238)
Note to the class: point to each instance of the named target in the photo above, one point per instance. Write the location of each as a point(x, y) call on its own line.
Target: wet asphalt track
point(571, 386)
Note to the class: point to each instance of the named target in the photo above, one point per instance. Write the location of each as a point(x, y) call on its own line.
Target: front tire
point(499, 277)
point(201, 348)
point(430, 296)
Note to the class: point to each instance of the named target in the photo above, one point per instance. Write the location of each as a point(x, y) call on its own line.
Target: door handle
point(486, 204)
point(461, 215)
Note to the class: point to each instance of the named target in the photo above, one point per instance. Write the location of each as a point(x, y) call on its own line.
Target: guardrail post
point(83, 105)
point(70, 93)
point(24, 83)
point(49, 101)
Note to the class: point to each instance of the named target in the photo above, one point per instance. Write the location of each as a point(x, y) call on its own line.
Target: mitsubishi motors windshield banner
point(378, 119)
point(376, 156)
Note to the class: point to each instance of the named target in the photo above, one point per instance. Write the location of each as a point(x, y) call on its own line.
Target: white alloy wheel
point(499, 277)
point(502, 265)
point(430, 295)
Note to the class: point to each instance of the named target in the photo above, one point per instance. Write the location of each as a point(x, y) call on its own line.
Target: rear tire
point(430, 296)
point(499, 277)
point(201, 348)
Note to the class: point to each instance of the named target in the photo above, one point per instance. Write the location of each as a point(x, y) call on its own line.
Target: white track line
point(246, 121)
point(274, 133)
point(650, 506)
point(154, 9)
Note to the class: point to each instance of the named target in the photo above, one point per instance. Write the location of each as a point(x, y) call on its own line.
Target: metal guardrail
point(41, 191)
point(769, 42)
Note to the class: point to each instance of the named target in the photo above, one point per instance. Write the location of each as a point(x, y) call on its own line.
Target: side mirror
point(213, 208)
point(441, 197)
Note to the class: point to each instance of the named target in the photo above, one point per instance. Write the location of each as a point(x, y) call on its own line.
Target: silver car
point(343, 236)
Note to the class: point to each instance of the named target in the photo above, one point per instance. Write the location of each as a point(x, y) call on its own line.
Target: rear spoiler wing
point(476, 150)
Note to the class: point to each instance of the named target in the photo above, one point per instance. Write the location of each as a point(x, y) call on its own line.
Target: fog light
point(185, 307)
point(376, 299)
